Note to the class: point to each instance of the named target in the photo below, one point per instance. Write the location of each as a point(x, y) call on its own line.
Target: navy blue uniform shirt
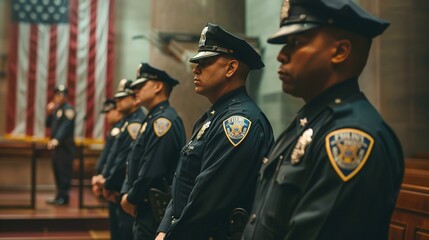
point(110, 139)
point(154, 154)
point(114, 171)
point(61, 122)
point(335, 173)
point(218, 168)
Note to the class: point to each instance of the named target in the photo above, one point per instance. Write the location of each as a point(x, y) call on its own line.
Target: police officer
point(113, 118)
point(115, 167)
point(336, 171)
point(61, 120)
point(215, 180)
point(155, 153)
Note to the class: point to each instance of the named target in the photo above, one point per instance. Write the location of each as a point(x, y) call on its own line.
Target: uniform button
point(338, 100)
point(253, 219)
point(265, 160)
point(281, 157)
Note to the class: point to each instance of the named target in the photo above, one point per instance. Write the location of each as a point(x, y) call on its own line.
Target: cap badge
point(138, 70)
point(285, 10)
point(203, 37)
point(300, 146)
point(203, 129)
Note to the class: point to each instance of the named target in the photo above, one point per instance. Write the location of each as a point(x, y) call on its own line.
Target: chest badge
point(115, 131)
point(203, 129)
point(59, 113)
point(300, 146)
point(143, 128)
point(236, 129)
point(348, 150)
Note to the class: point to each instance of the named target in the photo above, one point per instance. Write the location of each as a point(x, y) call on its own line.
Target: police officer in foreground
point(336, 171)
point(115, 167)
point(113, 119)
point(214, 183)
point(155, 153)
point(61, 121)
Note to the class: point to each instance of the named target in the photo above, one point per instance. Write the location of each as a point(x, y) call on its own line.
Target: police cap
point(124, 88)
point(108, 105)
point(301, 15)
point(61, 89)
point(214, 41)
point(146, 72)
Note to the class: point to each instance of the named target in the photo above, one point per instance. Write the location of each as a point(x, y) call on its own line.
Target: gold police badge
point(203, 129)
point(236, 129)
point(348, 150)
point(285, 10)
point(300, 146)
point(143, 128)
point(115, 131)
point(59, 113)
point(161, 126)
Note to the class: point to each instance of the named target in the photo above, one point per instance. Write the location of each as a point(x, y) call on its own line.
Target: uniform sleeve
point(66, 123)
point(320, 211)
point(227, 172)
point(116, 171)
point(101, 162)
point(158, 161)
point(166, 220)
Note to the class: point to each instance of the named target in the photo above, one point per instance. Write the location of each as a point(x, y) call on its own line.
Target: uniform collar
point(334, 95)
point(160, 106)
point(224, 101)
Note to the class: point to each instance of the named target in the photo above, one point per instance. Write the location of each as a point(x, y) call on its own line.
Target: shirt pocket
point(285, 193)
point(191, 159)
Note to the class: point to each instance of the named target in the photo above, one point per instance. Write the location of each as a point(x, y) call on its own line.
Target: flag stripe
point(72, 60)
point(101, 66)
point(21, 80)
point(110, 56)
point(32, 79)
point(42, 73)
point(13, 65)
point(91, 69)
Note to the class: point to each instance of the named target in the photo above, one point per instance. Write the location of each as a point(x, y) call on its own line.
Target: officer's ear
point(158, 86)
point(341, 51)
point(232, 67)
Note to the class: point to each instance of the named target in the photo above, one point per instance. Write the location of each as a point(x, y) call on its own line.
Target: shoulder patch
point(115, 131)
point(133, 129)
point(69, 113)
point(348, 150)
point(161, 126)
point(236, 129)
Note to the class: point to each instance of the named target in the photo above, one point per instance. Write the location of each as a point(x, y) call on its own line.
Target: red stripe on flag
point(110, 50)
point(52, 66)
point(110, 58)
point(13, 62)
point(92, 54)
point(32, 80)
point(72, 59)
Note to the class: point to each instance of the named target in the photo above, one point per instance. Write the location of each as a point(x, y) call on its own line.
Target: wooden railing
point(410, 220)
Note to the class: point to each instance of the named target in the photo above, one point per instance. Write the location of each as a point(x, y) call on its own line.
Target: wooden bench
point(410, 220)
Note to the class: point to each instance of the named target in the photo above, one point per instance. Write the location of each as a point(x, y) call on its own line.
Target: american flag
point(56, 42)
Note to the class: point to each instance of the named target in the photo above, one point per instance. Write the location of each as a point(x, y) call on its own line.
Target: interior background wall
point(394, 78)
